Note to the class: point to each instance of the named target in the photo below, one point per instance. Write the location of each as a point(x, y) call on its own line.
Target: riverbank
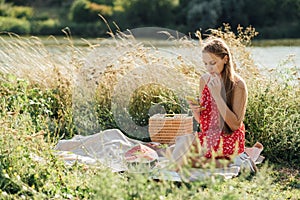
point(277, 42)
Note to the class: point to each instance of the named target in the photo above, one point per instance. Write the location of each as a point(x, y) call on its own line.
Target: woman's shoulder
point(240, 82)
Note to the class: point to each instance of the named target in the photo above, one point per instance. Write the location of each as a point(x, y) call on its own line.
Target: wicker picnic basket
point(164, 128)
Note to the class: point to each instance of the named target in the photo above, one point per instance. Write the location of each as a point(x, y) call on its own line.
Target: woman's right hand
point(215, 85)
point(196, 109)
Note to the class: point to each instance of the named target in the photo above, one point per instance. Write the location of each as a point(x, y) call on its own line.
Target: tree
point(84, 11)
point(233, 12)
point(260, 12)
point(147, 13)
point(104, 2)
point(203, 14)
point(80, 12)
point(37, 2)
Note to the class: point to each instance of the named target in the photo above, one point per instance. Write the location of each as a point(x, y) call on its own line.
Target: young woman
point(223, 99)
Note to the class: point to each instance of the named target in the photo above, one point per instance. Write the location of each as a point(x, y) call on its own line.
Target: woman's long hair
point(219, 48)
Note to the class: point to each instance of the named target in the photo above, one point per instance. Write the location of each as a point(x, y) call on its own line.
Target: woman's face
point(213, 63)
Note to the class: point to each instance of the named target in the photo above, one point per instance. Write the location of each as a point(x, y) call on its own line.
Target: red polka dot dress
point(211, 137)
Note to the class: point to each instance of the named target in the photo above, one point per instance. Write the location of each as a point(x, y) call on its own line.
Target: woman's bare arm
point(234, 117)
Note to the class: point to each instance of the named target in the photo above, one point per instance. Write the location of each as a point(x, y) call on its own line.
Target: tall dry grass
point(105, 85)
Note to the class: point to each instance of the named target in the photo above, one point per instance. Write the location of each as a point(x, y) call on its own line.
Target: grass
point(48, 95)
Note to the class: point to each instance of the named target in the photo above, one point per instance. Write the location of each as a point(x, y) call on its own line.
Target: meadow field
point(53, 89)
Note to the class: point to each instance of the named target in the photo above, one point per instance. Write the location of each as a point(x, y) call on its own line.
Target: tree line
point(271, 18)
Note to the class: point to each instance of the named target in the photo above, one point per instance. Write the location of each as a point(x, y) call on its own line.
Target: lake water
point(280, 58)
point(264, 57)
point(273, 57)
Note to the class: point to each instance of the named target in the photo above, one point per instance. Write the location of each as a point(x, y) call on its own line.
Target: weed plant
point(273, 114)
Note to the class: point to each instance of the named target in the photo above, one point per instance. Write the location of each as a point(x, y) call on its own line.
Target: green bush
point(42, 16)
point(151, 95)
point(145, 101)
point(105, 2)
point(272, 118)
point(104, 10)
point(45, 108)
point(18, 26)
point(4, 9)
point(28, 167)
point(79, 11)
point(146, 13)
point(21, 12)
point(45, 27)
point(85, 11)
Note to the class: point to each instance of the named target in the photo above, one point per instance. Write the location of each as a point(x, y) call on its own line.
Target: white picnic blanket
point(106, 147)
point(109, 146)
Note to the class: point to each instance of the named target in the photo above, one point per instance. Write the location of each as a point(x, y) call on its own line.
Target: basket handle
point(181, 115)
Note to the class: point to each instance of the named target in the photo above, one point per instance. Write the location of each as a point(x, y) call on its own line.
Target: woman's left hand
point(215, 85)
